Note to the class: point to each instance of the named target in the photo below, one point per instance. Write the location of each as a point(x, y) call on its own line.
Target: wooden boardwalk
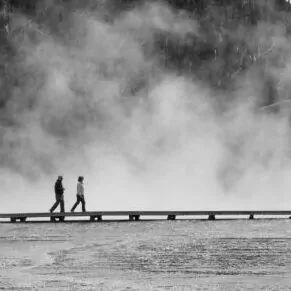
point(137, 215)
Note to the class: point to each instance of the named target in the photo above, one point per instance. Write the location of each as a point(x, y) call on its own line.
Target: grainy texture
point(181, 255)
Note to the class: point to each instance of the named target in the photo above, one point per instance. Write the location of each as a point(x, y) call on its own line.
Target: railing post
point(211, 217)
point(171, 217)
point(133, 217)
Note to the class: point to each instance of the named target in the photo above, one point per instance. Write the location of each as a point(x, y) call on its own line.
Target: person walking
point(80, 195)
point(59, 192)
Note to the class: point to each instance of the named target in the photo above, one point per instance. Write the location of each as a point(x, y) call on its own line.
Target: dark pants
point(82, 200)
point(59, 200)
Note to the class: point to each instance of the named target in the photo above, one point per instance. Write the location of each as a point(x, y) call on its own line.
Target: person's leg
point(62, 204)
point(76, 204)
point(83, 204)
point(55, 205)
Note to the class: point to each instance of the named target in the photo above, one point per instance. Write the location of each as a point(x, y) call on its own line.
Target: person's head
point(81, 179)
point(60, 178)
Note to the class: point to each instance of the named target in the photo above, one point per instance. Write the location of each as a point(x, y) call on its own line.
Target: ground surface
point(160, 255)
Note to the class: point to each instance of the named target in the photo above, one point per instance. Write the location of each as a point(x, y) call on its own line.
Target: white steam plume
point(95, 101)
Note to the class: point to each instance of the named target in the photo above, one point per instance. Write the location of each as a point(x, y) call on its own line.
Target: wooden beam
point(148, 213)
point(135, 215)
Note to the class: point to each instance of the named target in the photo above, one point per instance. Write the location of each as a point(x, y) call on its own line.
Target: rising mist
point(92, 93)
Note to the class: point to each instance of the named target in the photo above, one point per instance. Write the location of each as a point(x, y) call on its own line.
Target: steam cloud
point(89, 96)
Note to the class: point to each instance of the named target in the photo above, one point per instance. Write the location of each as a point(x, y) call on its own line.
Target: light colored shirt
point(80, 189)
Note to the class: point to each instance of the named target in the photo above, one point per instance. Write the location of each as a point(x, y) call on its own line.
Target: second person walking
point(80, 195)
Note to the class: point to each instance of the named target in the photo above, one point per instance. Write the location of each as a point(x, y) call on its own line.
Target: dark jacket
point(59, 189)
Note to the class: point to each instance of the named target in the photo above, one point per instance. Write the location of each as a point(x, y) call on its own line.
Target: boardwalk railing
point(136, 215)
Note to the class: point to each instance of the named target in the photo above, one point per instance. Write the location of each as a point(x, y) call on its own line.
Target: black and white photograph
point(145, 145)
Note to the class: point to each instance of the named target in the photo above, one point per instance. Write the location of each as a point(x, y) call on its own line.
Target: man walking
point(80, 195)
point(59, 191)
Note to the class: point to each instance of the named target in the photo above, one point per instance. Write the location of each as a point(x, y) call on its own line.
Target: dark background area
point(218, 20)
point(218, 58)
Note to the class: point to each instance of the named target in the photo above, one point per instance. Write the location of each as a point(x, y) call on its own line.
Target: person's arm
point(58, 187)
point(61, 187)
point(82, 189)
